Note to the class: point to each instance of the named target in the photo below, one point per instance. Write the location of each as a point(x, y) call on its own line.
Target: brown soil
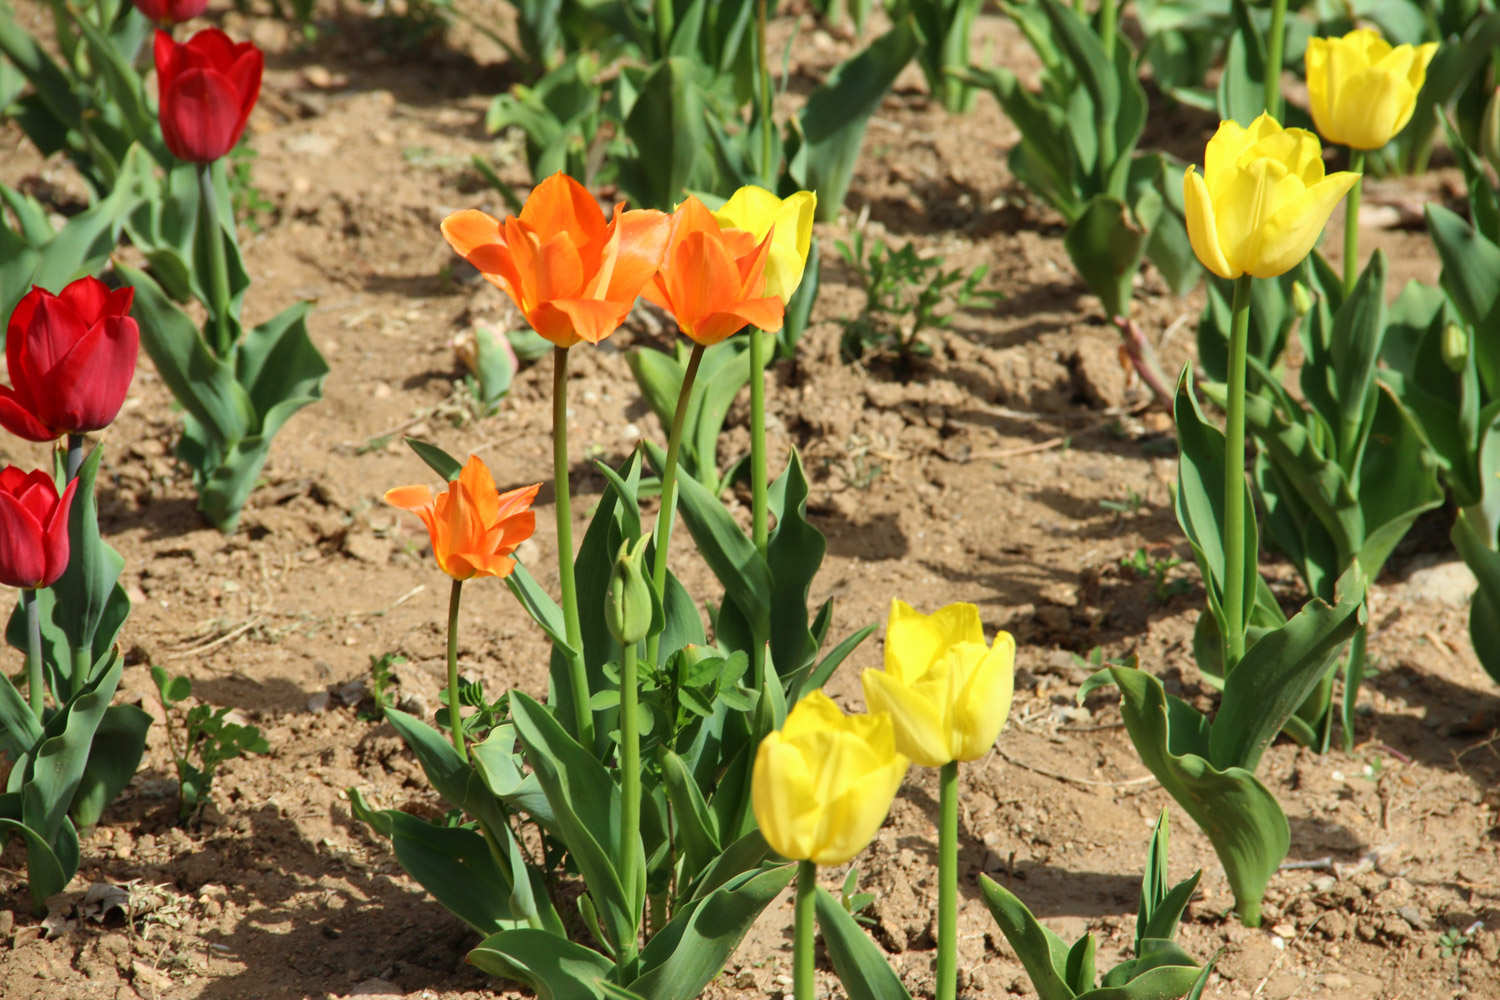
point(982, 477)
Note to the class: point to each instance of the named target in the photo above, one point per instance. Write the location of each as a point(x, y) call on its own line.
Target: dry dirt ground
point(1014, 469)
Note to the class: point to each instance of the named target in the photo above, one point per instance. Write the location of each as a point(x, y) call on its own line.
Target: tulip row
point(159, 179)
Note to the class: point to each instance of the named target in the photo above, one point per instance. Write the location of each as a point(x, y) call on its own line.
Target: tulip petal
point(854, 817)
point(781, 788)
point(560, 205)
point(16, 418)
point(412, 498)
point(983, 703)
point(89, 298)
point(1291, 232)
point(55, 534)
point(23, 563)
point(636, 247)
point(1203, 231)
point(918, 723)
point(199, 115)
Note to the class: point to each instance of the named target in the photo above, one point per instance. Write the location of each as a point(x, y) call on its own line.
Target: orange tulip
point(713, 280)
point(474, 528)
point(573, 275)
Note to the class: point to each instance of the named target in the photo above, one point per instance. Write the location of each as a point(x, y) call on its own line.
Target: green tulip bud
point(1489, 131)
point(1302, 300)
point(1455, 347)
point(627, 601)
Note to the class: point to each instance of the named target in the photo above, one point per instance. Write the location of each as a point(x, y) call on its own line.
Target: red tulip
point(170, 11)
point(33, 528)
point(205, 88)
point(71, 358)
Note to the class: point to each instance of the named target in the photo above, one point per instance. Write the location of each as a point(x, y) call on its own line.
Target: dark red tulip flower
point(170, 11)
point(205, 88)
point(71, 358)
point(33, 528)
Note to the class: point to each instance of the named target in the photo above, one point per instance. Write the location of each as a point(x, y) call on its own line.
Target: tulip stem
point(760, 529)
point(35, 688)
point(455, 720)
point(1351, 222)
point(631, 877)
point(75, 457)
point(1234, 479)
point(947, 951)
point(212, 235)
point(803, 986)
point(578, 671)
point(1274, 43)
point(668, 510)
point(767, 133)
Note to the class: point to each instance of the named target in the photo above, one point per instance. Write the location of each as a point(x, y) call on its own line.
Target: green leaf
point(437, 459)
point(681, 958)
point(85, 590)
point(1105, 245)
point(794, 552)
point(453, 778)
point(551, 965)
point(1241, 818)
point(666, 125)
point(1471, 277)
point(729, 553)
point(586, 806)
point(114, 755)
point(696, 829)
point(47, 874)
point(453, 863)
point(831, 126)
point(1475, 543)
point(861, 967)
point(1043, 953)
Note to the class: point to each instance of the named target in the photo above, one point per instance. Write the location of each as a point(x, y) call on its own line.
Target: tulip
point(756, 211)
point(33, 528)
point(573, 275)
point(1262, 199)
point(713, 280)
point(1361, 90)
point(947, 692)
point(474, 528)
point(206, 87)
point(71, 357)
point(168, 12)
point(823, 783)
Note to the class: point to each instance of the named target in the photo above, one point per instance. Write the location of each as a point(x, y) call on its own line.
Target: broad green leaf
point(1477, 546)
point(1471, 276)
point(1043, 953)
point(114, 755)
point(667, 127)
point(460, 785)
point(729, 553)
point(861, 967)
point(794, 552)
point(1105, 245)
point(696, 831)
point(46, 873)
point(84, 592)
point(551, 965)
point(437, 459)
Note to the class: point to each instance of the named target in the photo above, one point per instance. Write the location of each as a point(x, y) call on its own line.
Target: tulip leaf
point(666, 124)
point(682, 957)
point(452, 862)
point(586, 806)
point(861, 967)
point(87, 589)
point(1475, 542)
point(458, 783)
point(1471, 277)
point(1043, 953)
point(539, 605)
point(19, 729)
point(1241, 818)
point(696, 828)
point(1105, 244)
point(1280, 670)
point(437, 459)
point(829, 131)
point(732, 556)
point(1046, 166)
point(47, 874)
point(114, 754)
point(794, 552)
point(551, 965)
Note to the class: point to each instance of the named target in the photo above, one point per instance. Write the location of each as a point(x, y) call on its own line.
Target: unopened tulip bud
point(627, 601)
point(1302, 300)
point(1455, 347)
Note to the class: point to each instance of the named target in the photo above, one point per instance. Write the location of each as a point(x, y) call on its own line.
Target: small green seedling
point(208, 738)
point(1132, 503)
point(1156, 569)
point(854, 901)
point(382, 679)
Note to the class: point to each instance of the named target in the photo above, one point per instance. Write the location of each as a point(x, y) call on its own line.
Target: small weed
point(382, 679)
point(250, 204)
point(903, 294)
point(208, 737)
point(1452, 942)
point(487, 715)
point(1132, 503)
point(853, 901)
point(856, 467)
point(1156, 569)
point(1095, 660)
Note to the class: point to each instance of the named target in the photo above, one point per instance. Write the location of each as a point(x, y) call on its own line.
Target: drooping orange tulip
point(473, 526)
point(573, 275)
point(713, 280)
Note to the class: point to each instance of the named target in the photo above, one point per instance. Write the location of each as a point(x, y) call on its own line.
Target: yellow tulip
point(756, 211)
point(1363, 91)
point(946, 691)
point(1262, 200)
point(824, 782)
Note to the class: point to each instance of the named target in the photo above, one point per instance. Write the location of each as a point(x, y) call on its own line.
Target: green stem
point(1351, 222)
point(803, 987)
point(947, 951)
point(578, 671)
point(1234, 479)
point(669, 489)
point(767, 133)
point(1248, 911)
point(35, 687)
point(631, 877)
point(1274, 43)
point(75, 456)
point(212, 234)
point(1354, 675)
point(1107, 40)
point(665, 16)
point(759, 516)
point(455, 720)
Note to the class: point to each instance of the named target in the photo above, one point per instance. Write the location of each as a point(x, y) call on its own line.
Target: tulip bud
point(1455, 347)
point(1302, 301)
point(1489, 131)
point(627, 601)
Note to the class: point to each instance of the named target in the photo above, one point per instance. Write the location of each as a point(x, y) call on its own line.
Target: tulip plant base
point(1006, 471)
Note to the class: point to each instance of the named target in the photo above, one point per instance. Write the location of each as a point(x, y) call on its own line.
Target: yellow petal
point(1202, 227)
point(984, 702)
point(917, 722)
point(857, 812)
point(913, 641)
point(782, 796)
point(1319, 102)
point(751, 209)
point(814, 713)
point(1291, 232)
